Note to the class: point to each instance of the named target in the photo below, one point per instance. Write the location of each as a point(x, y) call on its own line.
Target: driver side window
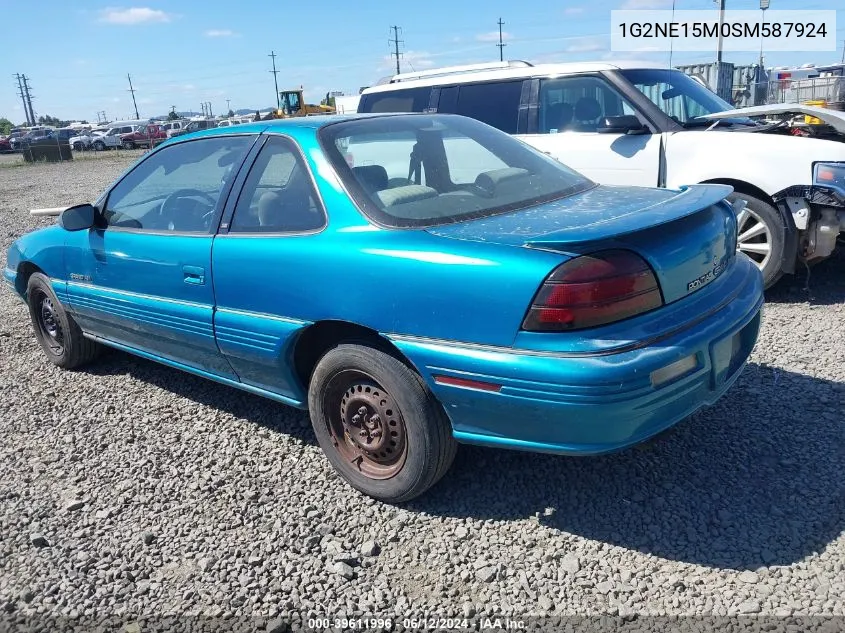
point(177, 188)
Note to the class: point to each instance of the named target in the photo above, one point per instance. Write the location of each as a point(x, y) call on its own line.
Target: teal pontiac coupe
point(413, 280)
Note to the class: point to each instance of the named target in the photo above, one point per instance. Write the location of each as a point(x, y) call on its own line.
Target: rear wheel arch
point(740, 186)
point(787, 243)
point(320, 337)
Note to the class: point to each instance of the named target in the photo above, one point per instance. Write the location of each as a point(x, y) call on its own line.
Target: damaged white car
point(637, 124)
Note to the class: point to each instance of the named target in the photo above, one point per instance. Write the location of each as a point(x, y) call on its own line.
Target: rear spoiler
point(688, 200)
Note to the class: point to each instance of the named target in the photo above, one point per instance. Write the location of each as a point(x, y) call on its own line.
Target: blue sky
point(77, 54)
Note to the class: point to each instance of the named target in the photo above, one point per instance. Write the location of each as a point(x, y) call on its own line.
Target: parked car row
point(125, 134)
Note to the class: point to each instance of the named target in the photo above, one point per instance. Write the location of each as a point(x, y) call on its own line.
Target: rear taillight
point(593, 290)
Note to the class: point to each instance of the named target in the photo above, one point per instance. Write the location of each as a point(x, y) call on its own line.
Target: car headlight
point(830, 175)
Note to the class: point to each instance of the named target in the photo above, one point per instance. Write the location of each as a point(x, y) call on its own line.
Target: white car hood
point(832, 117)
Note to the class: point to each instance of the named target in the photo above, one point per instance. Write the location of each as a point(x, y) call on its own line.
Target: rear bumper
point(600, 402)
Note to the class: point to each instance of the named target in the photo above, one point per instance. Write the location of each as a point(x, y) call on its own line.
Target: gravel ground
point(131, 488)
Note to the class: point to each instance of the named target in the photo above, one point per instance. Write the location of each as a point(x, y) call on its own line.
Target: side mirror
point(77, 218)
point(623, 124)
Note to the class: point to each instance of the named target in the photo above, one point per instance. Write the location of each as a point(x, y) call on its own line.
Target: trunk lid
point(688, 237)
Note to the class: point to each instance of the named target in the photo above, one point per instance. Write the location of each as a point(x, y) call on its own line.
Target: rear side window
point(407, 100)
point(494, 103)
point(278, 196)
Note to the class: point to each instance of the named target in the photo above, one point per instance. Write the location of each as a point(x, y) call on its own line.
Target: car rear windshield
point(428, 170)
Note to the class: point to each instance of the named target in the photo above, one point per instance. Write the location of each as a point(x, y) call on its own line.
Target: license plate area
point(730, 353)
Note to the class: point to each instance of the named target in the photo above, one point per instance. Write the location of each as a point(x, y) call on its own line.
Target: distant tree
point(231, 113)
point(5, 126)
point(51, 120)
point(172, 116)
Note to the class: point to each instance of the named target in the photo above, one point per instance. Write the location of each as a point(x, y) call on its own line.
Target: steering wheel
point(164, 209)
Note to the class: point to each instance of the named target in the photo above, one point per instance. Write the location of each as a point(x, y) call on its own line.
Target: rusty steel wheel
point(366, 425)
point(378, 423)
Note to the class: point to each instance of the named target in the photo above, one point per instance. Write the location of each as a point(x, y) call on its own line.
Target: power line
point(396, 41)
point(501, 43)
point(275, 79)
point(28, 98)
point(132, 90)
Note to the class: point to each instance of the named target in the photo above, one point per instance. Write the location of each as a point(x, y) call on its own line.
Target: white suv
point(170, 127)
point(637, 124)
point(110, 139)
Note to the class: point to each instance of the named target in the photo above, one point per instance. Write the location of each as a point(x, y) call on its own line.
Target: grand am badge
point(710, 275)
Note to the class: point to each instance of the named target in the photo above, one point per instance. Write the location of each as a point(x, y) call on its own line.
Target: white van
point(639, 124)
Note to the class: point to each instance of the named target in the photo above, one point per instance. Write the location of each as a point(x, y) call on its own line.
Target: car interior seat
point(558, 117)
point(288, 209)
point(373, 178)
point(587, 112)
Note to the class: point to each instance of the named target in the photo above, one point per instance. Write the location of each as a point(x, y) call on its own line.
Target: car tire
point(77, 147)
point(98, 146)
point(128, 145)
point(401, 446)
point(761, 235)
point(58, 334)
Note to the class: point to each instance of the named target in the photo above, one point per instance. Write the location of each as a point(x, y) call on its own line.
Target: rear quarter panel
point(395, 282)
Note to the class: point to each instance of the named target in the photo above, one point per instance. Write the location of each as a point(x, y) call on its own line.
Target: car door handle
point(194, 275)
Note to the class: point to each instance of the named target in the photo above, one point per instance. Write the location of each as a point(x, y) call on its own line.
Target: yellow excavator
point(293, 104)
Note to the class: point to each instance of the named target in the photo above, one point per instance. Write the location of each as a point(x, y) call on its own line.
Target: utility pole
point(210, 113)
point(23, 99)
point(275, 79)
point(202, 107)
point(501, 43)
point(28, 98)
point(721, 22)
point(228, 107)
point(396, 41)
point(132, 90)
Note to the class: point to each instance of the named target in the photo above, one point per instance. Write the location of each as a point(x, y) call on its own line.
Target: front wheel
point(99, 146)
point(128, 145)
point(761, 235)
point(378, 423)
point(58, 334)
